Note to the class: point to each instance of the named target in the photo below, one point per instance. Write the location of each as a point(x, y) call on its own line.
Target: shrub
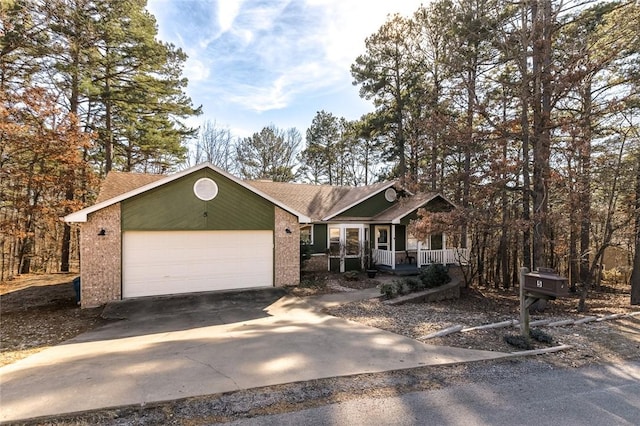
point(519, 341)
point(401, 287)
point(389, 290)
point(351, 275)
point(541, 336)
point(312, 281)
point(414, 284)
point(434, 275)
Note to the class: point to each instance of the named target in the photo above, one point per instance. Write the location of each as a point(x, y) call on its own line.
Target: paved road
point(603, 395)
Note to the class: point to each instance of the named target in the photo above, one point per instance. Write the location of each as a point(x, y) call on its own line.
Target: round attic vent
point(390, 195)
point(205, 189)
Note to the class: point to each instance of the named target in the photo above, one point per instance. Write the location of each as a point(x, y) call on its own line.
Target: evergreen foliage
point(269, 154)
point(84, 86)
point(434, 275)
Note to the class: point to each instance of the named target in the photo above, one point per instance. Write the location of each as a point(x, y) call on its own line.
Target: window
point(412, 242)
point(433, 242)
point(334, 241)
point(353, 241)
point(306, 234)
point(382, 237)
point(436, 242)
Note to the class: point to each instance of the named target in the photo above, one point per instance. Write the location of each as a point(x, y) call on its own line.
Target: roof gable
point(407, 206)
point(355, 196)
point(125, 181)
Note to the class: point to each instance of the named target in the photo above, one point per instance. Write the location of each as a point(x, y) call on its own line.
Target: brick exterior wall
point(317, 263)
point(287, 249)
point(100, 258)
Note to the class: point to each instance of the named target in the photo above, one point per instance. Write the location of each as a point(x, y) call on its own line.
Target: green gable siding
point(319, 238)
point(437, 205)
point(174, 206)
point(368, 208)
point(408, 218)
point(401, 238)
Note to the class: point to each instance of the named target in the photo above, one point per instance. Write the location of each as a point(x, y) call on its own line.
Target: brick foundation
point(316, 263)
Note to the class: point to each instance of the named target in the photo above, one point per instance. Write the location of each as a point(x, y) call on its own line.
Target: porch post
point(445, 253)
point(393, 246)
point(418, 254)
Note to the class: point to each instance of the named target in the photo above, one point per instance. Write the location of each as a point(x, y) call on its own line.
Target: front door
point(382, 237)
point(345, 246)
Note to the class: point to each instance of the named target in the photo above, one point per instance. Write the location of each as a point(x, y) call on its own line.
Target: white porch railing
point(383, 257)
point(458, 256)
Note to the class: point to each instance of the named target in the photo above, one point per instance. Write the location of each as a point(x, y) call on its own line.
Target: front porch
point(409, 262)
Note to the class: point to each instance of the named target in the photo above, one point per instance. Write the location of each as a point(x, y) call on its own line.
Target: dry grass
point(39, 311)
point(607, 341)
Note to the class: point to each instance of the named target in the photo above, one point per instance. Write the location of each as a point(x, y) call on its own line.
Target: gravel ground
point(602, 342)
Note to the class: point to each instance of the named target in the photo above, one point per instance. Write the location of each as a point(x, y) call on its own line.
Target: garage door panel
point(156, 263)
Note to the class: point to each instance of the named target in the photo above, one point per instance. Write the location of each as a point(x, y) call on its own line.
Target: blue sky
point(258, 62)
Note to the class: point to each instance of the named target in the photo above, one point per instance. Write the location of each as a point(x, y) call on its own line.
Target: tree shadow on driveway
point(151, 315)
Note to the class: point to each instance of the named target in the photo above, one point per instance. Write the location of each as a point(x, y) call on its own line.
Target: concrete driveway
point(169, 348)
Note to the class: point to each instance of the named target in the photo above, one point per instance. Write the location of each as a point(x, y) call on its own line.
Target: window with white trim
point(306, 234)
point(412, 242)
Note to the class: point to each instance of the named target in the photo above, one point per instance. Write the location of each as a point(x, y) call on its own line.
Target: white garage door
point(171, 262)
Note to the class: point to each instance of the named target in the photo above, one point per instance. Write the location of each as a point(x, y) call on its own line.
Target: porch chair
point(408, 258)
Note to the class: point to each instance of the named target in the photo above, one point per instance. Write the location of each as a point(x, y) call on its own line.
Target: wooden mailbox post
point(544, 284)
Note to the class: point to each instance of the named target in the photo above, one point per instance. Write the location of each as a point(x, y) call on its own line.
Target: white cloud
point(304, 47)
point(261, 56)
point(283, 89)
point(227, 13)
point(348, 23)
point(196, 70)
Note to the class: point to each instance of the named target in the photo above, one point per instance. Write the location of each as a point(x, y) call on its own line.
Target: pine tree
point(269, 154)
point(388, 73)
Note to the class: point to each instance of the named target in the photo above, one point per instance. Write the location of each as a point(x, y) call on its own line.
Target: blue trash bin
point(76, 287)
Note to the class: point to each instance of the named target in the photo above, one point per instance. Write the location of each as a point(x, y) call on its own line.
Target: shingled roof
point(317, 202)
point(118, 183)
point(313, 200)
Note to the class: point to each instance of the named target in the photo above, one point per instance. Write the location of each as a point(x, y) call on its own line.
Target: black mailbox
point(546, 282)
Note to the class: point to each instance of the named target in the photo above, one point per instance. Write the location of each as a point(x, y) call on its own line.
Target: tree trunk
point(466, 173)
point(635, 274)
point(65, 250)
point(541, 131)
point(108, 142)
point(26, 246)
point(573, 251)
point(524, 124)
point(607, 233)
point(504, 236)
point(584, 186)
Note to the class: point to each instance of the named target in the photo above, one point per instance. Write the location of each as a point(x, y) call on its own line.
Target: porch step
point(401, 269)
